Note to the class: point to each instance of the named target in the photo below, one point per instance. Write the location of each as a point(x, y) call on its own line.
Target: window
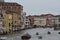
point(15, 21)
point(5, 7)
point(9, 24)
point(1, 22)
point(1, 15)
point(26, 22)
point(59, 24)
point(59, 19)
point(14, 7)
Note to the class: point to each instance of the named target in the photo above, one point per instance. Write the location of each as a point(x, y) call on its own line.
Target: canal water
point(42, 32)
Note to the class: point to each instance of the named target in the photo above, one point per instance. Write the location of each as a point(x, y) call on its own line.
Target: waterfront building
point(39, 20)
point(12, 15)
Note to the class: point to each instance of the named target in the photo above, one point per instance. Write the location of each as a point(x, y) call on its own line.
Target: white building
point(27, 22)
point(39, 21)
point(23, 18)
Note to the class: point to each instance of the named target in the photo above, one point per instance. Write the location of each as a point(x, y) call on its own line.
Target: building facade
point(39, 21)
point(31, 19)
point(48, 20)
point(27, 22)
point(12, 15)
point(44, 19)
point(55, 21)
point(23, 19)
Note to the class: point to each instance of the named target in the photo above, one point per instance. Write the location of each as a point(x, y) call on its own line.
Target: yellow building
point(5, 20)
point(10, 20)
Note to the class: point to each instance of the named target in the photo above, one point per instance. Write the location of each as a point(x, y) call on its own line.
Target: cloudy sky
point(32, 7)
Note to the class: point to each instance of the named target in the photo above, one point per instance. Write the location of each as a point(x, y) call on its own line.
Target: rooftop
point(9, 4)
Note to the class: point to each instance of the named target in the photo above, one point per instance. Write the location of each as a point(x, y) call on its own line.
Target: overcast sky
point(35, 7)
